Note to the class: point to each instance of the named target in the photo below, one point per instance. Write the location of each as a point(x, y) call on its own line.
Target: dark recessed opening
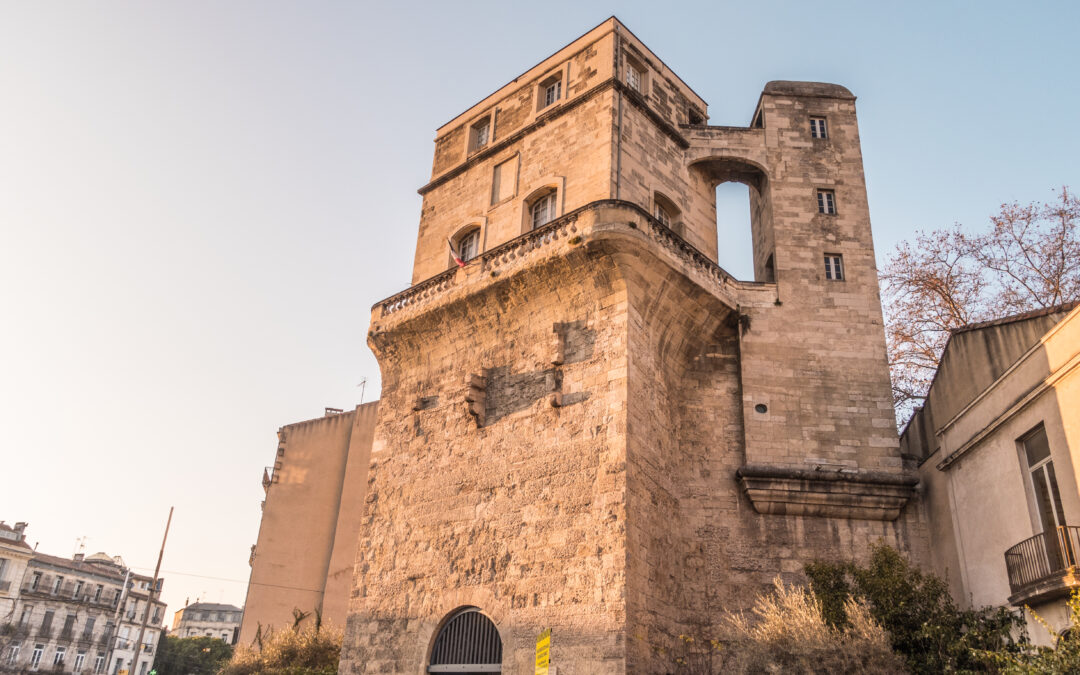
point(761, 408)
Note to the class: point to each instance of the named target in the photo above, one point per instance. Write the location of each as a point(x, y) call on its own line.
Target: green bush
point(191, 655)
point(1063, 658)
point(925, 626)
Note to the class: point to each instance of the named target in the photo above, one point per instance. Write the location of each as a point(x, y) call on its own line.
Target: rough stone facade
point(593, 428)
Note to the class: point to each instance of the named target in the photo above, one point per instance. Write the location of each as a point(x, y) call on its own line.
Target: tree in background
point(191, 655)
point(945, 279)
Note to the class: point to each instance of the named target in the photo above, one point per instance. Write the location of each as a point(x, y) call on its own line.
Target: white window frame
point(80, 659)
point(818, 128)
point(826, 200)
point(468, 248)
point(634, 77)
point(834, 267)
point(542, 210)
point(480, 136)
point(661, 214)
point(58, 656)
point(35, 658)
point(99, 663)
point(13, 652)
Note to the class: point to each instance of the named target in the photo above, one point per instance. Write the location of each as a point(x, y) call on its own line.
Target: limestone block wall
point(523, 516)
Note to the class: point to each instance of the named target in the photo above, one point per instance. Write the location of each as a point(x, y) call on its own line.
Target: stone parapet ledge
point(601, 225)
point(866, 495)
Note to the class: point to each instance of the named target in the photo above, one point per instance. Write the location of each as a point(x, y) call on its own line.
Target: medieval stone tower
point(592, 428)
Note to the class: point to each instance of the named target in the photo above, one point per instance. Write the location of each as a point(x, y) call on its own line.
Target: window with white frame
point(826, 202)
point(99, 663)
point(634, 76)
point(35, 581)
point(56, 585)
point(479, 134)
point(79, 659)
point(550, 92)
point(817, 128)
point(542, 210)
point(834, 267)
point(24, 620)
point(1043, 480)
point(468, 248)
point(13, 653)
point(661, 214)
point(35, 658)
point(58, 657)
point(665, 211)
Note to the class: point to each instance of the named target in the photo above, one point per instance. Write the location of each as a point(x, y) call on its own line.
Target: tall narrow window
point(549, 92)
point(13, 653)
point(661, 214)
point(543, 210)
point(666, 212)
point(56, 585)
point(35, 581)
point(79, 658)
point(817, 128)
point(35, 660)
point(834, 267)
point(633, 76)
point(1044, 481)
point(826, 202)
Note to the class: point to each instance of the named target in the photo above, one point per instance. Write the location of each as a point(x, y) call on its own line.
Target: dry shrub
point(787, 634)
point(311, 650)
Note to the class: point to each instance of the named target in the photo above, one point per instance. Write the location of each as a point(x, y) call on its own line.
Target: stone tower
point(590, 426)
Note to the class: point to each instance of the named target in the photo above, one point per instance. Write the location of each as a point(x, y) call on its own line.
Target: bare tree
point(1028, 259)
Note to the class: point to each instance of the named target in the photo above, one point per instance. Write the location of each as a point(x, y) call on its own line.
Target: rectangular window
point(661, 214)
point(88, 629)
point(97, 592)
point(817, 128)
point(834, 267)
point(3, 567)
point(543, 210)
point(550, 92)
point(826, 202)
point(24, 620)
point(1044, 482)
point(56, 585)
point(479, 134)
point(99, 664)
point(633, 76)
point(36, 581)
point(35, 659)
point(58, 657)
point(13, 653)
point(79, 658)
point(78, 589)
point(46, 622)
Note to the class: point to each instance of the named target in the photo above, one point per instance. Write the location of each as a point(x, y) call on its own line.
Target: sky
point(200, 201)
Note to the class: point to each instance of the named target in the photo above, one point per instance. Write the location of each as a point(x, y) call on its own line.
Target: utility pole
point(150, 598)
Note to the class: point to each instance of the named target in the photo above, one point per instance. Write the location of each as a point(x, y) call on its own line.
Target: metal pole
point(150, 599)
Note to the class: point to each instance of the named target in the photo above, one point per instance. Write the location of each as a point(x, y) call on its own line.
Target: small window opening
point(834, 267)
point(468, 643)
point(479, 134)
point(635, 76)
point(826, 202)
point(817, 128)
point(469, 245)
point(665, 211)
point(550, 92)
point(542, 210)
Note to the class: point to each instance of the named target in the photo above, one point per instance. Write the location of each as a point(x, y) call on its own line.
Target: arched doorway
point(468, 642)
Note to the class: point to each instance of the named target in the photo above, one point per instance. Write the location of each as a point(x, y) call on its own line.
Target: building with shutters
point(208, 619)
point(78, 615)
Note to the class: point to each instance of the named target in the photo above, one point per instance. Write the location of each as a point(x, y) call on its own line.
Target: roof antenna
point(363, 387)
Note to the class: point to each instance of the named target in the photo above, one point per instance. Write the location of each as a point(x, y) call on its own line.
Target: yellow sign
point(543, 652)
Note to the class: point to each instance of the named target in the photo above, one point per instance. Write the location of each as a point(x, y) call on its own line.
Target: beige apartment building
point(77, 615)
point(207, 619)
point(999, 442)
point(587, 426)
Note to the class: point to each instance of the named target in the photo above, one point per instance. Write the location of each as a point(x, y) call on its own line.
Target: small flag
point(454, 252)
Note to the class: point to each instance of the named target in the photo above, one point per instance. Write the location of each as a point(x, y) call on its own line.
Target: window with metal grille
point(467, 643)
point(817, 128)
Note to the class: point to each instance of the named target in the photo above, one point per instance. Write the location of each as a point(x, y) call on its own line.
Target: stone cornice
point(866, 495)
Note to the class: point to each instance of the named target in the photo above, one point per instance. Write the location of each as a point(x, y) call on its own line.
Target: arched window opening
point(468, 642)
point(735, 249)
point(542, 207)
point(465, 245)
point(667, 213)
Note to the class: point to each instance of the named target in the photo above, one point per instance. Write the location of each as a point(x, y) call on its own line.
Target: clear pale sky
point(200, 201)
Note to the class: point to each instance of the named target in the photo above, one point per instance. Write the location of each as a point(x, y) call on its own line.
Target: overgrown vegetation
point(1063, 658)
point(313, 649)
point(925, 626)
point(191, 655)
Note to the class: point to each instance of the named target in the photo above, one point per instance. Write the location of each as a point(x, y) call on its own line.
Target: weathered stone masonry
point(593, 428)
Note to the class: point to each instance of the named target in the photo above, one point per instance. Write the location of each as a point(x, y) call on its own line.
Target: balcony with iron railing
point(1044, 567)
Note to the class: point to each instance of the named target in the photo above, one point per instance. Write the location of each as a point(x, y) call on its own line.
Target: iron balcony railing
point(1042, 557)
